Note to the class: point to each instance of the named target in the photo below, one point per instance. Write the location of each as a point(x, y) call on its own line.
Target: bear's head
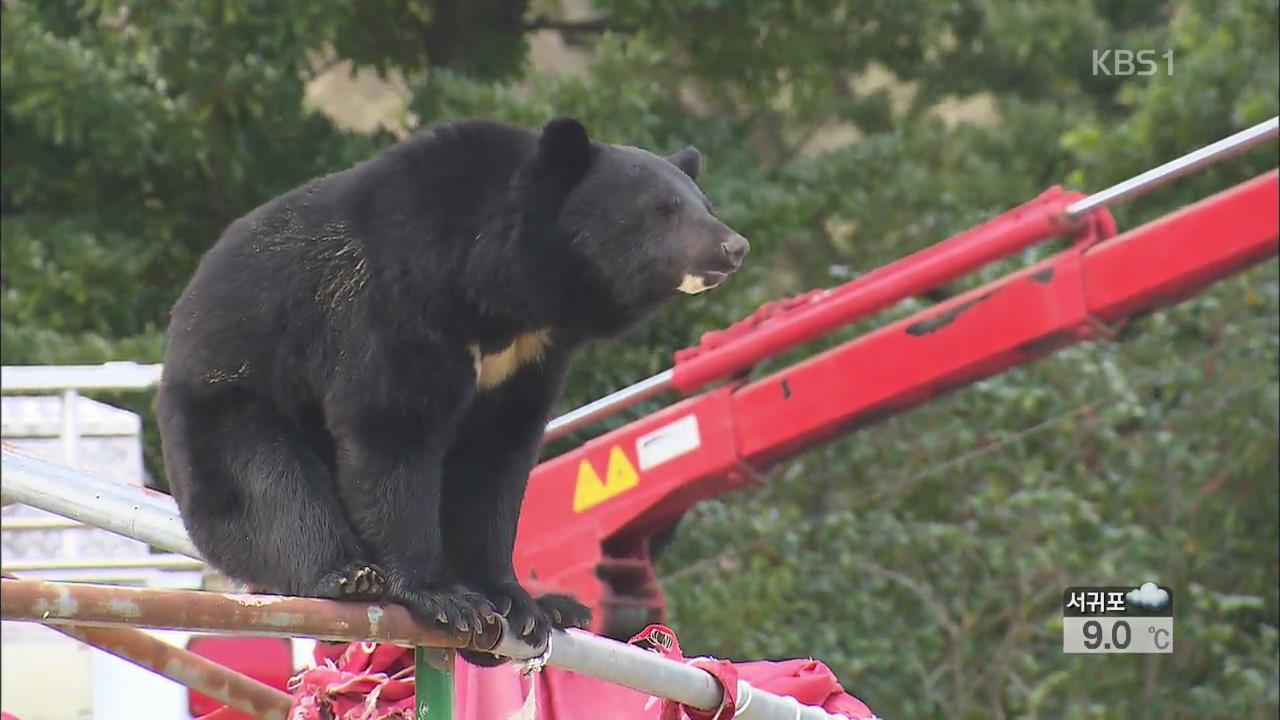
point(637, 223)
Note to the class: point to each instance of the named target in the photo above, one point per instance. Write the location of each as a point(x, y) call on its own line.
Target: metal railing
point(69, 380)
point(152, 517)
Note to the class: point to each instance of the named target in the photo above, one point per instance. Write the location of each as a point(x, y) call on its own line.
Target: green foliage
point(921, 558)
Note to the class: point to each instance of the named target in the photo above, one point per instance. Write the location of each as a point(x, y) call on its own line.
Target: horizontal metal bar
point(181, 578)
point(130, 511)
point(1176, 168)
point(85, 605)
point(62, 603)
point(25, 524)
point(108, 376)
point(145, 562)
point(219, 682)
point(72, 493)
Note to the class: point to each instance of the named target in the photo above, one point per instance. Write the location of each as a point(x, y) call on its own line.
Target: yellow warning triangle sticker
point(620, 477)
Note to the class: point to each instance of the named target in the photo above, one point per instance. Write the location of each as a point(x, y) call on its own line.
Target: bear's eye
point(668, 206)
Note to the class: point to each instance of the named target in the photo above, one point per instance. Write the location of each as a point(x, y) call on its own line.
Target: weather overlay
point(1117, 619)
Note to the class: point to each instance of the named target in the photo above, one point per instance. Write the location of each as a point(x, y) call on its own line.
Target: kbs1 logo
point(1123, 63)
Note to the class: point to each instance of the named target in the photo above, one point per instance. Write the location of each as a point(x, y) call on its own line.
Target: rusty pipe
point(85, 604)
point(219, 682)
point(184, 667)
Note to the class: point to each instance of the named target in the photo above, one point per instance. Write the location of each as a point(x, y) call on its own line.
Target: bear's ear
point(564, 149)
point(689, 160)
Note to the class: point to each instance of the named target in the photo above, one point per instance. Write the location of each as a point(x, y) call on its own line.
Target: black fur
point(323, 429)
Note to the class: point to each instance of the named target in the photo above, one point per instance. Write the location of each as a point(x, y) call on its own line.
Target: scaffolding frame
point(184, 667)
point(87, 611)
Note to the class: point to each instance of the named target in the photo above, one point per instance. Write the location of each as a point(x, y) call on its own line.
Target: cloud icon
point(1149, 595)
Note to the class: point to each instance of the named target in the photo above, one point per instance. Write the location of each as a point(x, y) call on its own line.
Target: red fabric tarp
point(365, 681)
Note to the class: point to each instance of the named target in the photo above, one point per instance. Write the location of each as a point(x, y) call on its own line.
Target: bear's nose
point(735, 248)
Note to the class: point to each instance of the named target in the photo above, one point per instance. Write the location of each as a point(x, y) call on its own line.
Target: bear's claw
point(522, 612)
point(564, 612)
point(453, 607)
point(361, 581)
point(531, 619)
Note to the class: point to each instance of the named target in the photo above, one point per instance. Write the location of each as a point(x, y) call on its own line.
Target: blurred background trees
point(922, 558)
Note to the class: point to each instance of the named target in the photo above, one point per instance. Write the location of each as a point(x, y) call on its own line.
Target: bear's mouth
point(694, 283)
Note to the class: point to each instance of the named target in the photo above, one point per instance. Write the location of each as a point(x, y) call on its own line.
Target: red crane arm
point(588, 513)
point(780, 325)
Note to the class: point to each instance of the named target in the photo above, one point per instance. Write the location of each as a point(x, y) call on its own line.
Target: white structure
point(97, 438)
point(46, 675)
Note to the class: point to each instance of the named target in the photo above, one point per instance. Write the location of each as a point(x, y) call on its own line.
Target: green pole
point(433, 687)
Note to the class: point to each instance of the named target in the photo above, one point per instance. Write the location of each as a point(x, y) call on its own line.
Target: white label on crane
point(668, 442)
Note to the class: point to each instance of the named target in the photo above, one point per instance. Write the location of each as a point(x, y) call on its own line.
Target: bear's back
point(298, 276)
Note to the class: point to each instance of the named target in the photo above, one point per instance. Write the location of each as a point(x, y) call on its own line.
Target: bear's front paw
point(564, 612)
point(530, 619)
point(524, 616)
point(452, 607)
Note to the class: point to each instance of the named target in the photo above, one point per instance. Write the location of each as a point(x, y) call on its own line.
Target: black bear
point(359, 373)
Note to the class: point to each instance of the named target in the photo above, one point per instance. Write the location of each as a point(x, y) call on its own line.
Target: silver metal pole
point(107, 376)
point(638, 669)
point(143, 562)
point(1192, 161)
point(65, 491)
point(21, 524)
point(132, 513)
point(609, 404)
point(22, 462)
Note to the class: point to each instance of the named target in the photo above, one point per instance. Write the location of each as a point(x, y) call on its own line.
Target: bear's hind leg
point(258, 502)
